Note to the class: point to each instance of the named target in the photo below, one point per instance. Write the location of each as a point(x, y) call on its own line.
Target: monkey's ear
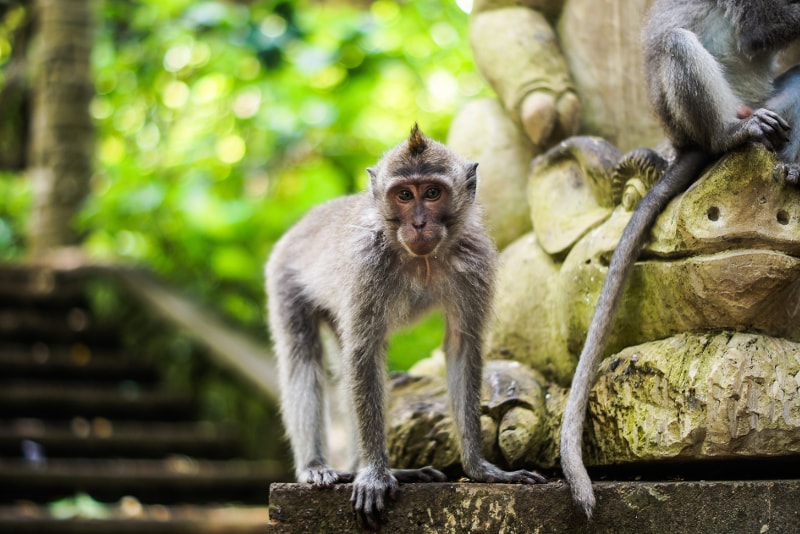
point(472, 180)
point(373, 178)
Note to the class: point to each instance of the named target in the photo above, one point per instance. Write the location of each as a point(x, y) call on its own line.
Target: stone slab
point(640, 507)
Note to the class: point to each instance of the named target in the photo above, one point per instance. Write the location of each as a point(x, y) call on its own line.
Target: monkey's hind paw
point(488, 472)
point(527, 477)
point(787, 173)
point(424, 474)
point(768, 128)
point(793, 174)
point(324, 476)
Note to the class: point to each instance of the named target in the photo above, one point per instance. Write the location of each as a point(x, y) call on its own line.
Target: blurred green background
point(219, 123)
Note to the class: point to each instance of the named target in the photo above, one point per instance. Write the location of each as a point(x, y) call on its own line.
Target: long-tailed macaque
point(368, 263)
point(709, 67)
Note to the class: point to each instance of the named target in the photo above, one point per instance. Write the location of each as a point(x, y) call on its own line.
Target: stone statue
point(704, 360)
point(559, 68)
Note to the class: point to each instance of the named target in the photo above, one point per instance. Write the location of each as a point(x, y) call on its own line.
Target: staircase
point(92, 439)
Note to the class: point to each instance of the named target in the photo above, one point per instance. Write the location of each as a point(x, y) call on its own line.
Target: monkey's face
point(418, 213)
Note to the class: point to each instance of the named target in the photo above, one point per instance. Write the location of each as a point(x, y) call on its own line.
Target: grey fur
point(704, 59)
point(343, 264)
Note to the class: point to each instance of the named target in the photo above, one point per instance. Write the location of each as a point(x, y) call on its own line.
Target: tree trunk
point(61, 133)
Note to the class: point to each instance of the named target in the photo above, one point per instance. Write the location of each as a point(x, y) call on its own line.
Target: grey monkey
point(709, 68)
point(366, 264)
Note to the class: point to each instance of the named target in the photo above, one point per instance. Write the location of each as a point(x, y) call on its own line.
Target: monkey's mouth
point(419, 243)
point(420, 247)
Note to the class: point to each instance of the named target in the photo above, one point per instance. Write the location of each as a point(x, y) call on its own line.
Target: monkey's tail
point(678, 177)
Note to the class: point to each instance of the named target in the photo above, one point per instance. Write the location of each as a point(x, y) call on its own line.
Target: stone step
point(127, 400)
point(75, 361)
point(101, 437)
point(72, 324)
point(23, 285)
point(130, 516)
point(622, 507)
point(178, 479)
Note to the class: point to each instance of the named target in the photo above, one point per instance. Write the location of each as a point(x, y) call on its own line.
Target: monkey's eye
point(433, 193)
point(405, 195)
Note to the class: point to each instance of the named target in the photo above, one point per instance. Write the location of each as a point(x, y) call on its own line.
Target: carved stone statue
point(559, 68)
point(704, 359)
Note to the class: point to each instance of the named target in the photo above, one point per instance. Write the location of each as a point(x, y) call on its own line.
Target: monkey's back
point(671, 28)
point(317, 251)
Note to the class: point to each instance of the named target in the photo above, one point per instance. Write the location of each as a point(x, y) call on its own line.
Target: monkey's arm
point(695, 102)
point(363, 338)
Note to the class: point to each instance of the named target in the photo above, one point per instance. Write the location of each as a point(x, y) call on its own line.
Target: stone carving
point(558, 68)
point(704, 359)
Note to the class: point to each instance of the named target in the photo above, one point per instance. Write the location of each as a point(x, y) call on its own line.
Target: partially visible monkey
point(709, 71)
point(366, 264)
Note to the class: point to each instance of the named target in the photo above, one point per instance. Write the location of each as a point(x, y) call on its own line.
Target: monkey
point(366, 264)
point(709, 69)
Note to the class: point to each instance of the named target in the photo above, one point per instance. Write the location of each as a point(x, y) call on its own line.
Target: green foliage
point(15, 203)
point(220, 123)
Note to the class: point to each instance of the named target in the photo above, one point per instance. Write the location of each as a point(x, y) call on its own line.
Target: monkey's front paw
point(768, 128)
point(324, 476)
point(486, 472)
point(370, 489)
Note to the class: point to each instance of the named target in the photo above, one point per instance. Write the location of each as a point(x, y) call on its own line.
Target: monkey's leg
point(698, 104)
point(374, 480)
point(464, 370)
point(299, 351)
point(786, 102)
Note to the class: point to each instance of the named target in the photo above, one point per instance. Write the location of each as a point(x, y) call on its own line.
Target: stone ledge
point(640, 507)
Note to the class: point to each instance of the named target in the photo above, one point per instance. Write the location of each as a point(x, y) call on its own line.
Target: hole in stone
point(713, 213)
point(783, 217)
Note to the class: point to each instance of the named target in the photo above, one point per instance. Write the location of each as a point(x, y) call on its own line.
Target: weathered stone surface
point(553, 74)
point(688, 397)
point(483, 132)
point(520, 329)
point(421, 430)
point(635, 507)
point(723, 255)
point(608, 72)
point(516, 50)
point(569, 191)
point(695, 396)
